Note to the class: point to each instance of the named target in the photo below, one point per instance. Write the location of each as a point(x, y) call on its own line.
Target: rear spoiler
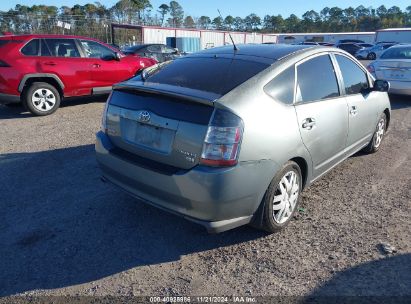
point(207, 98)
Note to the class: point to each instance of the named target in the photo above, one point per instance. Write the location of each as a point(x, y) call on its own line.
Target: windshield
point(211, 74)
point(397, 53)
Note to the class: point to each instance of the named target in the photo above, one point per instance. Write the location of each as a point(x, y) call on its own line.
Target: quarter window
point(355, 79)
point(62, 47)
point(31, 48)
point(282, 86)
point(316, 80)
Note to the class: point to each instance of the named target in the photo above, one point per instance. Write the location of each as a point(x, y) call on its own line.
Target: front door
point(105, 73)
point(362, 111)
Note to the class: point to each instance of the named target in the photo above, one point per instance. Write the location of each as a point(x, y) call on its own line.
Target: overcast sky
point(197, 8)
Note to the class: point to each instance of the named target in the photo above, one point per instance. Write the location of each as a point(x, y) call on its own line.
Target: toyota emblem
point(144, 116)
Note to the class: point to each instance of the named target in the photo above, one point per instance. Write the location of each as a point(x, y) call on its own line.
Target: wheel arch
point(302, 163)
point(388, 115)
point(42, 77)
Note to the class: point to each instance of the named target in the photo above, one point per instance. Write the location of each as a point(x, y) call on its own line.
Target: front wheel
point(41, 98)
point(282, 197)
point(378, 136)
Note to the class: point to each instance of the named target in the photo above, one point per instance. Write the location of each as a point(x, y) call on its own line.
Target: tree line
point(93, 19)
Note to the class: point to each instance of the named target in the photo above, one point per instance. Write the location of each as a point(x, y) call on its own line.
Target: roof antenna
point(229, 34)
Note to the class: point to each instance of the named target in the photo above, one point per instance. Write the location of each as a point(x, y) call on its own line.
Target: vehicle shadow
point(18, 111)
point(61, 226)
point(400, 101)
point(387, 280)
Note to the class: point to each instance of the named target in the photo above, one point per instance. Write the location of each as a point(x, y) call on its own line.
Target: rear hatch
point(163, 114)
point(394, 69)
point(159, 125)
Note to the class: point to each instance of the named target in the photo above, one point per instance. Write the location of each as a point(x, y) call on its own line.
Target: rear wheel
point(371, 56)
point(378, 136)
point(282, 197)
point(41, 98)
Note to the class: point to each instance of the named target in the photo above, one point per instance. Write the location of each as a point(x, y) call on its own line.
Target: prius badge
point(144, 116)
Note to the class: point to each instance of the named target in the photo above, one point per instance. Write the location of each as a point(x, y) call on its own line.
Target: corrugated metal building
point(126, 34)
point(367, 37)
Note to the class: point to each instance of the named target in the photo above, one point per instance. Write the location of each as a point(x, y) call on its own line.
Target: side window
point(168, 50)
point(281, 87)
point(96, 50)
point(316, 80)
point(31, 48)
point(62, 47)
point(355, 79)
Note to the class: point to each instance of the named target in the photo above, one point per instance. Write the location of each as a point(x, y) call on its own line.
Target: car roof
point(272, 52)
point(398, 45)
point(31, 36)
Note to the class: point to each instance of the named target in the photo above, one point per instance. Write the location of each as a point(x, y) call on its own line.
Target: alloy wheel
point(43, 99)
point(379, 133)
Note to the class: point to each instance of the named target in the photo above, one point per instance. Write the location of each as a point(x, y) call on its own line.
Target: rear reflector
point(223, 139)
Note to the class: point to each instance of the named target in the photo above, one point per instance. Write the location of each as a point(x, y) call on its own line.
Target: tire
point(276, 218)
point(41, 98)
point(378, 136)
point(371, 56)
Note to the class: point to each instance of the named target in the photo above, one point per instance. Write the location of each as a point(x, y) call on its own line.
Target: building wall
point(368, 37)
point(157, 35)
point(401, 36)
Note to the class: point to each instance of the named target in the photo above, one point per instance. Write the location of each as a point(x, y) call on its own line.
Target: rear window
point(217, 75)
point(397, 53)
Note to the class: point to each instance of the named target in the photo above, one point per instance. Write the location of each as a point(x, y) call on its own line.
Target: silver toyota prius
point(232, 135)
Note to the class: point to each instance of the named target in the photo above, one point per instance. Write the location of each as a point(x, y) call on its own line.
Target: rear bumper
point(8, 98)
point(216, 198)
point(400, 87)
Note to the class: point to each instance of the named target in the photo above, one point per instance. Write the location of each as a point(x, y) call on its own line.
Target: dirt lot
point(64, 232)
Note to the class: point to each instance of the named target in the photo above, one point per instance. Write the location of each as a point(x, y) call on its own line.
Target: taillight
point(3, 64)
point(223, 139)
point(371, 68)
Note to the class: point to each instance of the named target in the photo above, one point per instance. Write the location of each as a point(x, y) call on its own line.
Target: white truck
point(400, 35)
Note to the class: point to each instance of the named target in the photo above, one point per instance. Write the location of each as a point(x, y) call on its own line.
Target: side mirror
point(115, 56)
point(381, 85)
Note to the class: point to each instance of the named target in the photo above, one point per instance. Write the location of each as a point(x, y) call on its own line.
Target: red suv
point(40, 70)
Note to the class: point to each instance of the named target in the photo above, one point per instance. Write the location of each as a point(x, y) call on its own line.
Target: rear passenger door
point(61, 57)
point(321, 112)
point(362, 111)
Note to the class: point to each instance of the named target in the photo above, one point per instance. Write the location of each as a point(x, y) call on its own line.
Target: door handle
point(308, 123)
point(96, 65)
point(50, 63)
point(353, 110)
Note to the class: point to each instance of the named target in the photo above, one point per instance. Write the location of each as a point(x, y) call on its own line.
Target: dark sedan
point(353, 48)
point(159, 52)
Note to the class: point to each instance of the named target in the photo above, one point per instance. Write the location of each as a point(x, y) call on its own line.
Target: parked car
point(40, 70)
point(353, 48)
point(238, 142)
point(394, 65)
point(374, 52)
point(159, 52)
point(348, 41)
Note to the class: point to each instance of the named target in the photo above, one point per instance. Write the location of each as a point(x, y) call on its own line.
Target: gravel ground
point(64, 232)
